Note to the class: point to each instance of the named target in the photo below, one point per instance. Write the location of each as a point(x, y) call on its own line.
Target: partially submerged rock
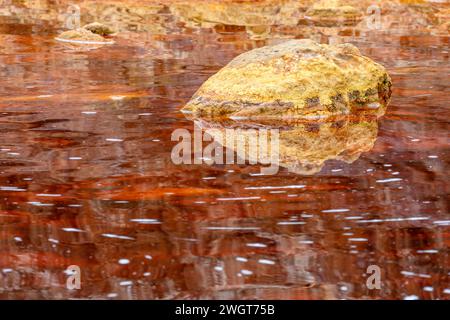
point(81, 35)
point(99, 28)
point(295, 79)
point(92, 33)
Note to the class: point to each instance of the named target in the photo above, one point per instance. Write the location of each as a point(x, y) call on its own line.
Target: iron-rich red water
point(86, 176)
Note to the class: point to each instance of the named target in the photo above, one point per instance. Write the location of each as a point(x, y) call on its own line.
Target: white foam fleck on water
point(411, 297)
point(297, 186)
point(241, 259)
point(335, 210)
point(370, 221)
point(72, 230)
point(40, 204)
point(266, 261)
point(286, 223)
point(431, 251)
point(246, 272)
point(124, 261)
point(11, 188)
point(343, 288)
point(256, 245)
point(358, 239)
point(116, 236)
point(413, 274)
point(442, 222)
point(146, 221)
point(389, 180)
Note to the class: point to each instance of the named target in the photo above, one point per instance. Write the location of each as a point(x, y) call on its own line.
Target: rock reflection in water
point(301, 146)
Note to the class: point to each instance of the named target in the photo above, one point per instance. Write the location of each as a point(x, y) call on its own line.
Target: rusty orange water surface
point(86, 176)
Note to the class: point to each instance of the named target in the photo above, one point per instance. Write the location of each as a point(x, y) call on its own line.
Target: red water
point(86, 176)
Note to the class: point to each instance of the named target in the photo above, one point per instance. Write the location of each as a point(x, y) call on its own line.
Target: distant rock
point(294, 79)
point(92, 33)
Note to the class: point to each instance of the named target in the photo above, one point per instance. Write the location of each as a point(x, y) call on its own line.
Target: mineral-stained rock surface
point(99, 28)
point(295, 79)
point(92, 33)
point(81, 35)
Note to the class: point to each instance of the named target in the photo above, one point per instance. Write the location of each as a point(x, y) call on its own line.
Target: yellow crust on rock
point(98, 28)
point(81, 35)
point(294, 78)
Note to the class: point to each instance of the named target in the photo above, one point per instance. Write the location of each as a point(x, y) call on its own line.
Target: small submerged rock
point(294, 79)
point(93, 33)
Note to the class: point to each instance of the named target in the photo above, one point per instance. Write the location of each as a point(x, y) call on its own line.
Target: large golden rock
point(295, 79)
